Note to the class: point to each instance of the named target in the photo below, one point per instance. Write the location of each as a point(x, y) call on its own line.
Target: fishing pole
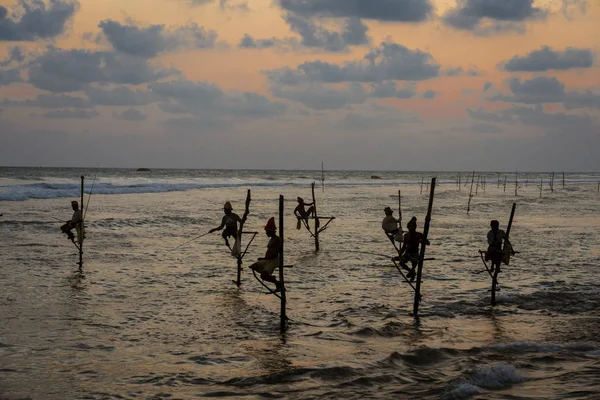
point(91, 190)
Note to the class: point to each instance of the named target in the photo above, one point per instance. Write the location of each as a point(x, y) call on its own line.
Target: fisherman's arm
point(403, 248)
point(76, 219)
point(218, 227)
point(273, 250)
point(423, 240)
point(490, 238)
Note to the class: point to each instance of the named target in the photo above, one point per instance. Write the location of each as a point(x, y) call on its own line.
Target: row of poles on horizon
point(317, 229)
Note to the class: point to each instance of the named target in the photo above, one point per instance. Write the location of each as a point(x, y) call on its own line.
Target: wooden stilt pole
point(470, 193)
point(238, 242)
point(80, 237)
point(505, 183)
point(563, 179)
point(322, 177)
point(497, 270)
point(282, 314)
point(516, 183)
point(552, 182)
point(422, 252)
point(541, 185)
point(459, 181)
point(478, 183)
point(317, 224)
point(400, 208)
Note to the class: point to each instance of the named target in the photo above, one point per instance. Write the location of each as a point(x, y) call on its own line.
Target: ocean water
point(146, 319)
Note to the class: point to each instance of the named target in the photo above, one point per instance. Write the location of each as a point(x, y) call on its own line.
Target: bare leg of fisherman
point(411, 274)
point(225, 236)
point(270, 278)
point(66, 228)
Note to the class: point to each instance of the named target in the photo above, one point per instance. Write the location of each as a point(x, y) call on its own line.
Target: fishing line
point(91, 190)
point(189, 241)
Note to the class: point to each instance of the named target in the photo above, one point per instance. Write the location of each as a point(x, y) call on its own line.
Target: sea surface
point(150, 316)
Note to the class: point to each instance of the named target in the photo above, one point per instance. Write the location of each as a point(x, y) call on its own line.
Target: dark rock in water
point(143, 169)
point(375, 177)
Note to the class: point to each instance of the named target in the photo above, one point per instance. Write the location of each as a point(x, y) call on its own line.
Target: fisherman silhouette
point(229, 222)
point(75, 221)
point(267, 264)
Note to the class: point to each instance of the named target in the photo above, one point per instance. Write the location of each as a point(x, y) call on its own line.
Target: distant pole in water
point(422, 252)
point(497, 270)
point(282, 315)
point(317, 224)
point(470, 193)
point(421, 185)
point(322, 177)
point(505, 183)
point(498, 180)
point(540, 186)
point(400, 209)
point(80, 236)
point(526, 180)
point(563, 179)
point(516, 183)
point(478, 183)
point(552, 182)
point(458, 181)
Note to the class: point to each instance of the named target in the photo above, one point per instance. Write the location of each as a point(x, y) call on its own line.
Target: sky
point(401, 85)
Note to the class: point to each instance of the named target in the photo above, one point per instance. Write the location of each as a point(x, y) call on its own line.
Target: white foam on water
point(496, 376)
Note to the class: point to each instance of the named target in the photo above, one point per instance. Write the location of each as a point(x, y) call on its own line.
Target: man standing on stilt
point(230, 223)
point(496, 251)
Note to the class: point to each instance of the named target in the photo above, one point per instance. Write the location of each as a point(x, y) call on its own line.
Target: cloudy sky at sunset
point(285, 84)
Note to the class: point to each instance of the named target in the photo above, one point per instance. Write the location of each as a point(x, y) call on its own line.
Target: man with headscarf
point(229, 222)
point(267, 264)
point(74, 223)
point(410, 248)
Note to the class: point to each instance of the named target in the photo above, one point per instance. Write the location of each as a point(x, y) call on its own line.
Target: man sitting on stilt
point(267, 264)
point(74, 223)
point(410, 248)
point(390, 226)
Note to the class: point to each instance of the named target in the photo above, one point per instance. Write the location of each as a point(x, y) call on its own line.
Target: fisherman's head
point(495, 224)
point(74, 205)
point(300, 200)
point(412, 224)
point(270, 227)
point(388, 211)
point(227, 208)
